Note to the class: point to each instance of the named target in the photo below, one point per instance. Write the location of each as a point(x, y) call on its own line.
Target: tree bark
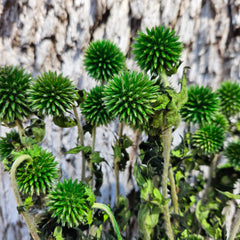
point(53, 34)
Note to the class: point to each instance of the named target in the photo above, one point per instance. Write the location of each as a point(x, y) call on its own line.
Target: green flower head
point(229, 94)
point(209, 139)
point(93, 108)
point(39, 175)
point(201, 106)
point(70, 202)
point(158, 50)
point(232, 152)
point(103, 59)
point(52, 94)
point(129, 96)
point(14, 86)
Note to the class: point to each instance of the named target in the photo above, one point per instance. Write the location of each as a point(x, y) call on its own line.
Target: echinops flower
point(103, 59)
point(93, 108)
point(158, 50)
point(52, 94)
point(229, 94)
point(129, 96)
point(232, 152)
point(70, 202)
point(14, 86)
point(39, 175)
point(201, 106)
point(209, 139)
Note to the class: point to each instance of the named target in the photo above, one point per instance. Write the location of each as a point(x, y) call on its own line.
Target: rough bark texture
point(53, 34)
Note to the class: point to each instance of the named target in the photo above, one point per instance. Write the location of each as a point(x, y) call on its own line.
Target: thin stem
point(27, 217)
point(20, 130)
point(210, 177)
point(93, 148)
point(173, 189)
point(166, 139)
point(80, 135)
point(111, 216)
point(235, 227)
point(116, 166)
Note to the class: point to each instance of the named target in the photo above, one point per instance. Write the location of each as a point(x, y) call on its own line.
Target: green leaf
point(147, 219)
point(230, 195)
point(85, 149)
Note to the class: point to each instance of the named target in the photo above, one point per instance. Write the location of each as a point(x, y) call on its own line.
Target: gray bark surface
point(53, 34)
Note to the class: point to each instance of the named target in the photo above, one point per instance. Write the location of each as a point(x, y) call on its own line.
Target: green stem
point(235, 227)
point(111, 216)
point(116, 166)
point(20, 130)
point(80, 135)
point(166, 139)
point(27, 217)
point(93, 148)
point(210, 177)
point(173, 189)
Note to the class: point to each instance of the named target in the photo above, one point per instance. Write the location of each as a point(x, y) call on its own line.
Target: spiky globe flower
point(93, 108)
point(229, 94)
point(52, 94)
point(158, 50)
point(70, 202)
point(201, 106)
point(209, 139)
point(129, 96)
point(220, 120)
point(39, 175)
point(232, 152)
point(103, 59)
point(14, 86)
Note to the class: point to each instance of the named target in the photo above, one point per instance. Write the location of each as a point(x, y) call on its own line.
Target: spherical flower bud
point(52, 94)
point(70, 202)
point(209, 139)
point(39, 175)
point(229, 94)
point(93, 108)
point(14, 86)
point(103, 59)
point(201, 106)
point(158, 50)
point(129, 96)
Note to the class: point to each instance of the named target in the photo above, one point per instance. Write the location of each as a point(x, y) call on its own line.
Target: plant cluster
point(167, 202)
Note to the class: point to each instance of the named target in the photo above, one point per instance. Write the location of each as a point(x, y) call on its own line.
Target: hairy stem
point(27, 217)
point(93, 148)
point(116, 166)
point(166, 139)
point(80, 135)
point(173, 189)
point(111, 216)
point(235, 227)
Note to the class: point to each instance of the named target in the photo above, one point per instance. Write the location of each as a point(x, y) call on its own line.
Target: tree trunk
point(53, 34)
